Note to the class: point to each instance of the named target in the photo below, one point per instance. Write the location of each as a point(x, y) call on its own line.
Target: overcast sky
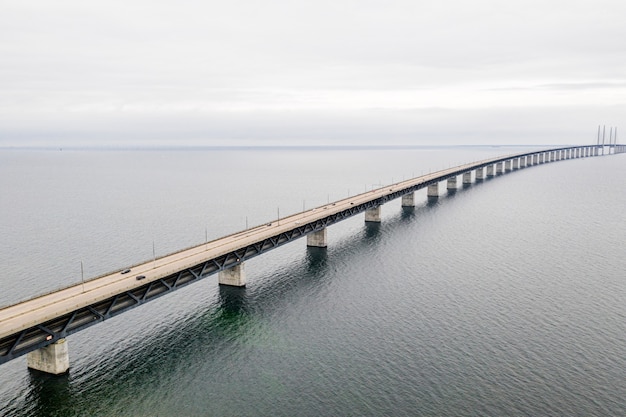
point(244, 72)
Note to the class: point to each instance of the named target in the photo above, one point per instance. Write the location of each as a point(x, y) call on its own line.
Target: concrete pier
point(499, 168)
point(235, 276)
point(507, 165)
point(53, 359)
point(480, 174)
point(373, 215)
point(451, 183)
point(317, 239)
point(408, 200)
point(522, 162)
point(433, 190)
point(516, 163)
point(490, 172)
point(467, 177)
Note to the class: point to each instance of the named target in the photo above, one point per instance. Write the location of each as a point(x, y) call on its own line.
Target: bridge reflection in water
point(38, 327)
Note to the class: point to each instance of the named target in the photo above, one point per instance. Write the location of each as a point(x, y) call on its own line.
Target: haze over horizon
point(394, 72)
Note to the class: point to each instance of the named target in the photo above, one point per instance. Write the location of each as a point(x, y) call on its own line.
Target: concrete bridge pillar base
point(52, 359)
point(480, 174)
point(467, 177)
point(451, 184)
point(317, 239)
point(499, 168)
point(373, 215)
point(408, 200)
point(516, 163)
point(433, 190)
point(490, 172)
point(234, 276)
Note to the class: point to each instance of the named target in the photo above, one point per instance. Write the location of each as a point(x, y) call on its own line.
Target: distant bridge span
point(38, 327)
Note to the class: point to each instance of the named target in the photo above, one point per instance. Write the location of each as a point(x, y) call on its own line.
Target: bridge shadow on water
point(226, 324)
point(49, 395)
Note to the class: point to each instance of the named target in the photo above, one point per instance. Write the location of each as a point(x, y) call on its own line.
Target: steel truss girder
point(43, 334)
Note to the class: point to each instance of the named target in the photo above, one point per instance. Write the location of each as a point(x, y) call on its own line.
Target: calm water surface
point(506, 297)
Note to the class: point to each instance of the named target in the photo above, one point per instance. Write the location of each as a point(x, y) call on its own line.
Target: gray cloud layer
point(332, 72)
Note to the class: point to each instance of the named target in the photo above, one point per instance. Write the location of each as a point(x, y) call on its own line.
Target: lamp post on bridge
point(82, 275)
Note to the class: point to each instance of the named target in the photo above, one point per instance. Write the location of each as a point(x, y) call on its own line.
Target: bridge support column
point(522, 162)
point(467, 177)
point(535, 159)
point(451, 183)
point(507, 165)
point(317, 239)
point(490, 171)
point(52, 359)
point(234, 276)
point(433, 190)
point(516, 163)
point(373, 215)
point(408, 200)
point(480, 174)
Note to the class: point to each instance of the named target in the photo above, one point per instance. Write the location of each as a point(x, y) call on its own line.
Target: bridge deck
point(95, 300)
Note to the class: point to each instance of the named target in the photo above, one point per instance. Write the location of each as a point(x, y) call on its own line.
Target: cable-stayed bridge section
point(38, 327)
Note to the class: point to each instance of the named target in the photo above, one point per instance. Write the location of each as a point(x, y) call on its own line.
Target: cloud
point(87, 69)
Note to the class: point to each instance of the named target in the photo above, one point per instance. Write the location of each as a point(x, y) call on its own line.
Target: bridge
point(38, 327)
